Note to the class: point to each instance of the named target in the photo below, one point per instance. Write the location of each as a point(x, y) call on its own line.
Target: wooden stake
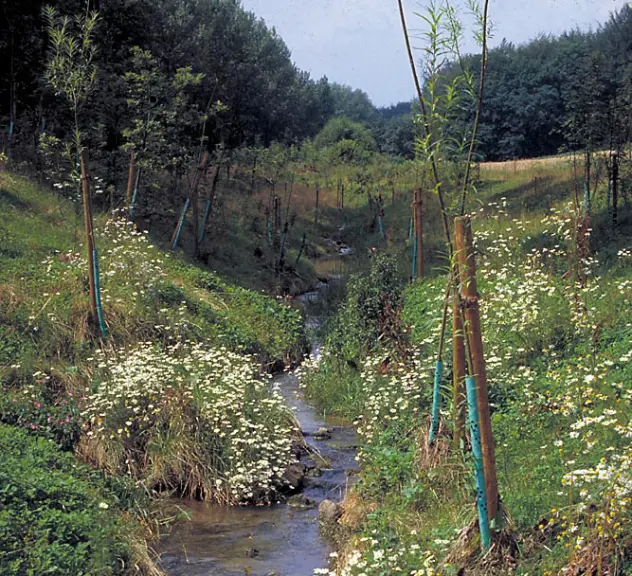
point(276, 208)
point(615, 188)
point(210, 204)
point(458, 372)
point(195, 198)
point(300, 252)
point(252, 175)
point(131, 179)
point(469, 297)
point(316, 207)
point(418, 217)
point(87, 216)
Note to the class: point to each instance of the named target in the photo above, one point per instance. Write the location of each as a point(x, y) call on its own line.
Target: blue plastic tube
point(477, 452)
point(436, 402)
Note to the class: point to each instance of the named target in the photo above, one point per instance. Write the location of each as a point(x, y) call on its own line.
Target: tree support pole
point(418, 216)
point(131, 179)
point(93, 267)
point(300, 252)
point(479, 472)
point(207, 212)
point(469, 296)
point(436, 392)
point(176, 235)
point(615, 188)
point(195, 197)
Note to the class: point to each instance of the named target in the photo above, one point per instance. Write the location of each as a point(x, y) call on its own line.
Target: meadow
point(557, 342)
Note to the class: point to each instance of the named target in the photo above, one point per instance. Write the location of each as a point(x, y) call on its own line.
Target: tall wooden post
point(252, 174)
point(316, 207)
point(131, 179)
point(266, 215)
point(418, 219)
point(276, 208)
point(210, 204)
point(469, 298)
point(87, 217)
point(458, 371)
point(615, 188)
point(195, 198)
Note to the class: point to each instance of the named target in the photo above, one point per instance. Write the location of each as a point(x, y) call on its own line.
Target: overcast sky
point(360, 43)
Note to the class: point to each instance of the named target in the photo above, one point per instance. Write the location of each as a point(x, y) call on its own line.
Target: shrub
point(194, 419)
point(367, 320)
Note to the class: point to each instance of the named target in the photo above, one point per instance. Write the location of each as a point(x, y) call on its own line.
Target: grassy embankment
point(173, 401)
point(559, 360)
point(237, 245)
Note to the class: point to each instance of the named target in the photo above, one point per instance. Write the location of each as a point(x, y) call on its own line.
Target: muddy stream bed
point(283, 539)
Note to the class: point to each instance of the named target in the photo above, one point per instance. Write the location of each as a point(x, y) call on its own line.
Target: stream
point(282, 539)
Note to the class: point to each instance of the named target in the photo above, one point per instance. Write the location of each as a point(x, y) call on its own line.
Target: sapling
point(71, 70)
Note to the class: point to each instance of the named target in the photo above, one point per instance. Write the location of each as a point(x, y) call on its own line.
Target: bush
point(193, 419)
point(367, 319)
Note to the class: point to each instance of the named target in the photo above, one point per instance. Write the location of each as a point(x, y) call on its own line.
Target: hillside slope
point(173, 400)
point(558, 344)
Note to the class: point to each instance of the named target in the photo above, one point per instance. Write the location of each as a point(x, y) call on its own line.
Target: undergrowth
point(59, 517)
point(557, 343)
point(175, 399)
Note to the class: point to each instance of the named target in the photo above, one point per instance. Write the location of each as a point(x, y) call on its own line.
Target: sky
point(360, 42)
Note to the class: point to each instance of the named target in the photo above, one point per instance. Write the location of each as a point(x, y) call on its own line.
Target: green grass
point(153, 402)
point(60, 517)
point(44, 304)
point(558, 359)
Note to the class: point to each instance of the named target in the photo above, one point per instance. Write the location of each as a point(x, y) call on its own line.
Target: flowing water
point(282, 539)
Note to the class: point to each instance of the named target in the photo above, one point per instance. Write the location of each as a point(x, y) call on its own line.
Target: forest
point(252, 324)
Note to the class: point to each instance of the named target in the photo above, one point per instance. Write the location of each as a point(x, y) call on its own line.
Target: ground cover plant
point(175, 400)
point(556, 329)
point(60, 517)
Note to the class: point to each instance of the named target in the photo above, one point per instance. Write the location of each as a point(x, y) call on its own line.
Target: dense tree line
point(550, 95)
point(556, 94)
point(244, 64)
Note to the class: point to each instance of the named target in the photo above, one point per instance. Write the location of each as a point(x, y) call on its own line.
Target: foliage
point(544, 95)
point(45, 408)
point(71, 69)
point(144, 292)
point(558, 359)
point(192, 419)
point(57, 516)
point(361, 325)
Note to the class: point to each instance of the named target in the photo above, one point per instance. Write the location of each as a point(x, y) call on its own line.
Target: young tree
point(71, 70)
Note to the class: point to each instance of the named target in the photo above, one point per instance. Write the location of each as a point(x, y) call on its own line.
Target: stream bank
point(283, 539)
